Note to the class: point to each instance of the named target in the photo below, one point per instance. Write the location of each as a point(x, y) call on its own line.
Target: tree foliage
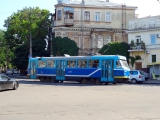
point(115, 48)
point(21, 53)
point(63, 46)
point(2, 49)
point(5, 53)
point(133, 59)
point(28, 23)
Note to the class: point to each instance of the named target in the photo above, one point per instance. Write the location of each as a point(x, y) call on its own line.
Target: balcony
point(68, 22)
point(58, 23)
point(138, 47)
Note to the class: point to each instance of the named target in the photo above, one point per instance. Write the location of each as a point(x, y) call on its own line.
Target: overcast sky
point(8, 7)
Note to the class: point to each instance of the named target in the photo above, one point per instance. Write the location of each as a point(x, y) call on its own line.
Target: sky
point(8, 7)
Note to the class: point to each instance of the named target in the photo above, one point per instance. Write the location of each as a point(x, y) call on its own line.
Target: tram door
point(33, 70)
point(60, 72)
point(107, 71)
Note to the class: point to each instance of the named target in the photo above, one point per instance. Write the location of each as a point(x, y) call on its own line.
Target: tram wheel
point(106, 83)
point(84, 81)
point(52, 80)
point(97, 82)
point(48, 78)
point(114, 83)
point(41, 79)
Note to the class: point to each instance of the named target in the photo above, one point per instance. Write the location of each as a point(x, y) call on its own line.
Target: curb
point(22, 77)
point(152, 82)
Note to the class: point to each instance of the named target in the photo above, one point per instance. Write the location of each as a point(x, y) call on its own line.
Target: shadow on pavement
point(24, 80)
point(65, 83)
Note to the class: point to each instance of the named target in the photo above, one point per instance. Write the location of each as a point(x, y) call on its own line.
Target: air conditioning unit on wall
point(147, 52)
point(158, 35)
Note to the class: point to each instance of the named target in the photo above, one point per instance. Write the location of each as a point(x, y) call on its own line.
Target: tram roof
point(79, 57)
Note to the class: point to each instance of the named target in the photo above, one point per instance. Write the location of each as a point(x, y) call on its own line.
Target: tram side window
point(118, 64)
point(68, 64)
point(93, 63)
point(50, 64)
point(71, 64)
point(82, 63)
point(41, 64)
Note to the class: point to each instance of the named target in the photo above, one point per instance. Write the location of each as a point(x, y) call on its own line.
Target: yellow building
point(92, 23)
point(145, 33)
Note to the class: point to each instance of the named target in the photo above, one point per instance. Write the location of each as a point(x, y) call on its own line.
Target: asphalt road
point(73, 101)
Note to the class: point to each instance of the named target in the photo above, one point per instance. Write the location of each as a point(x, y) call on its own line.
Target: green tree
point(5, 53)
point(20, 59)
point(115, 48)
point(2, 50)
point(27, 23)
point(25, 26)
point(63, 46)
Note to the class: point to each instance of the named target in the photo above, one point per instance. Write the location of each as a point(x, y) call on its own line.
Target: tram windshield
point(122, 64)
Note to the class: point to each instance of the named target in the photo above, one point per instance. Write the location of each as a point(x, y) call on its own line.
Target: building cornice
point(70, 29)
point(95, 6)
point(142, 30)
point(87, 29)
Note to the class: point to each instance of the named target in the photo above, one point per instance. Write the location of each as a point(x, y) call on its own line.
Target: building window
point(107, 40)
point(76, 15)
point(153, 39)
point(59, 1)
point(87, 15)
point(97, 16)
point(69, 15)
point(108, 17)
point(66, 16)
point(153, 58)
point(59, 15)
point(138, 40)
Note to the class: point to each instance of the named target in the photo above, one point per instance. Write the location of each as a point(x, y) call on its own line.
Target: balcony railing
point(68, 21)
point(58, 23)
point(137, 47)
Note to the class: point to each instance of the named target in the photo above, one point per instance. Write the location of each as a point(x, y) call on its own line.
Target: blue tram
point(97, 69)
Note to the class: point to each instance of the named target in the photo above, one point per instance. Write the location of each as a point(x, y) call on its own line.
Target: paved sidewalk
point(152, 81)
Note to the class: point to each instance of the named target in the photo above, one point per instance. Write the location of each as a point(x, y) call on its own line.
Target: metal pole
point(51, 49)
point(50, 35)
point(30, 45)
point(82, 26)
point(30, 35)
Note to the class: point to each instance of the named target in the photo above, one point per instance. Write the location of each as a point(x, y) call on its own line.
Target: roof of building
point(95, 3)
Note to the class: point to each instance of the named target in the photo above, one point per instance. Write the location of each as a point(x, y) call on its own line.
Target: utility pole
point(30, 35)
point(50, 34)
point(82, 26)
